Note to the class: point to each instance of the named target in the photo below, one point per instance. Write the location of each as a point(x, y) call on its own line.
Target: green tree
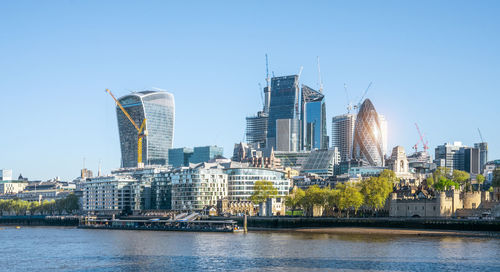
point(72, 203)
point(375, 191)
point(480, 179)
point(294, 200)
point(314, 196)
point(389, 175)
point(349, 197)
point(332, 201)
point(460, 177)
point(445, 184)
point(263, 190)
point(496, 178)
point(440, 172)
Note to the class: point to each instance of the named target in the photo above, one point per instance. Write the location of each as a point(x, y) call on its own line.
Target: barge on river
point(161, 225)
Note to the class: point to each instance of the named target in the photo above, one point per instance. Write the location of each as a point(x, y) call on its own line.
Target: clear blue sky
point(432, 62)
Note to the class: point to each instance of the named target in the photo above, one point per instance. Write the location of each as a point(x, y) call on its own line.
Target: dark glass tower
point(313, 116)
point(283, 104)
point(158, 108)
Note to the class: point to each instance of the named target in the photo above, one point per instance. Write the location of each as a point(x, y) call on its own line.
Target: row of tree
point(371, 192)
point(443, 178)
point(67, 205)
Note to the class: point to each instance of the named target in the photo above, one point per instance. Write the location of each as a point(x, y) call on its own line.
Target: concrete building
point(198, 187)
point(12, 187)
point(158, 108)
point(241, 182)
point(342, 134)
point(449, 155)
point(483, 154)
point(322, 162)
point(5, 174)
point(472, 163)
point(287, 135)
point(110, 194)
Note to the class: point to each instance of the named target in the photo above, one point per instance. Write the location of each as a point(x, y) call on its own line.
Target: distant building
point(292, 159)
point(158, 108)
point(472, 163)
point(198, 187)
point(256, 129)
point(5, 174)
point(313, 120)
point(206, 153)
point(322, 162)
point(241, 182)
point(178, 157)
point(287, 135)
point(368, 145)
point(85, 173)
point(483, 154)
point(343, 134)
point(449, 155)
point(12, 187)
point(283, 105)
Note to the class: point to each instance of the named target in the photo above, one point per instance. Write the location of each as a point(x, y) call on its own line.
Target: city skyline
point(441, 76)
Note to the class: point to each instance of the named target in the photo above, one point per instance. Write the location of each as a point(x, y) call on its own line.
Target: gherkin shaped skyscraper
point(368, 145)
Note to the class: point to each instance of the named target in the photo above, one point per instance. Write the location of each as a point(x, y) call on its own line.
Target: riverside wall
point(406, 223)
point(40, 220)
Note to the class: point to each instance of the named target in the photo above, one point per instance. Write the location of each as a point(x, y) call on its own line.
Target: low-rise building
point(12, 187)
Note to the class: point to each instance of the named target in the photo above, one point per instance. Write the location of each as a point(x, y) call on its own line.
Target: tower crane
point(480, 135)
point(425, 144)
point(363, 96)
point(141, 131)
point(349, 103)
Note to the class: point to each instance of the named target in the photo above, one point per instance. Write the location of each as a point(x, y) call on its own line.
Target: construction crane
point(480, 135)
point(424, 144)
point(141, 131)
point(320, 81)
point(362, 96)
point(349, 103)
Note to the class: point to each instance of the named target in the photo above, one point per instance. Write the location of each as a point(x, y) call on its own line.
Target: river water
point(72, 249)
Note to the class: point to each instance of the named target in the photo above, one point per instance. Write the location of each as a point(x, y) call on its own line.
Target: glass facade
point(206, 153)
point(158, 108)
point(368, 138)
point(256, 131)
point(322, 162)
point(179, 156)
point(241, 182)
point(283, 105)
point(343, 134)
point(313, 117)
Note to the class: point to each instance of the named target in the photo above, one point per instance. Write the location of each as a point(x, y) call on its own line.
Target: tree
point(440, 172)
point(429, 182)
point(349, 197)
point(263, 190)
point(480, 178)
point(294, 200)
point(389, 175)
point(332, 201)
point(496, 178)
point(460, 177)
point(445, 184)
point(375, 191)
point(314, 196)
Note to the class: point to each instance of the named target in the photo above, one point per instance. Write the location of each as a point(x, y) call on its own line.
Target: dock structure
point(162, 225)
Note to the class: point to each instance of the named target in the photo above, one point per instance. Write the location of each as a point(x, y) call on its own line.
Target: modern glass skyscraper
point(256, 131)
point(158, 108)
point(368, 136)
point(313, 116)
point(343, 134)
point(283, 104)
point(206, 153)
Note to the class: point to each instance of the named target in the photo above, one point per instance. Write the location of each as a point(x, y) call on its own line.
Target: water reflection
point(113, 250)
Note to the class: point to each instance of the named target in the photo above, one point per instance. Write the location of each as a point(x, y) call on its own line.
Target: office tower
point(343, 134)
point(178, 157)
point(450, 156)
point(287, 135)
point(483, 154)
point(368, 138)
point(256, 131)
point(383, 129)
point(313, 120)
point(472, 162)
point(283, 105)
point(206, 153)
point(158, 108)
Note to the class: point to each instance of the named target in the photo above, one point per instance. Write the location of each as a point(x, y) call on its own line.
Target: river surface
point(72, 249)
